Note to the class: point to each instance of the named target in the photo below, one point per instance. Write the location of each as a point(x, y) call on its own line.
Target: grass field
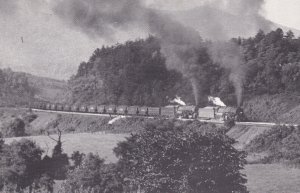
point(272, 178)
point(84, 142)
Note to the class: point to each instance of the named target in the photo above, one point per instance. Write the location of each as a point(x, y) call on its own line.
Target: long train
point(187, 112)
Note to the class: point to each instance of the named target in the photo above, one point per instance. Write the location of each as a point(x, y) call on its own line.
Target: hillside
point(266, 76)
point(279, 108)
point(15, 89)
point(20, 89)
point(48, 89)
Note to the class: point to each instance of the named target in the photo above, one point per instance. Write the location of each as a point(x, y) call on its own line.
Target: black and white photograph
point(149, 96)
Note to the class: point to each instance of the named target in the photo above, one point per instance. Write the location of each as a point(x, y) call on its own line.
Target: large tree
point(174, 157)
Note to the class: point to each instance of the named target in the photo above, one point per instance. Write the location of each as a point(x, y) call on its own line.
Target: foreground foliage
point(169, 157)
point(19, 165)
point(92, 175)
point(24, 169)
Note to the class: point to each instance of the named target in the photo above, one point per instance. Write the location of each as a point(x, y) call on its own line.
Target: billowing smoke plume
point(102, 18)
point(229, 56)
point(239, 7)
point(180, 44)
point(224, 19)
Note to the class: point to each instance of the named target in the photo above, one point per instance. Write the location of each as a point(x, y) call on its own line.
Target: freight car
point(185, 112)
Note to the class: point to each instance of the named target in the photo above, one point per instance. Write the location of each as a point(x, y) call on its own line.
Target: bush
point(176, 157)
point(14, 128)
point(93, 176)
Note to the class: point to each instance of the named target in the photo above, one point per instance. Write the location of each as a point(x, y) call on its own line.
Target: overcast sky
point(284, 12)
point(51, 48)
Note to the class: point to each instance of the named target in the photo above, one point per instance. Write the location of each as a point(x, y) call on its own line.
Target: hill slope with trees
point(135, 73)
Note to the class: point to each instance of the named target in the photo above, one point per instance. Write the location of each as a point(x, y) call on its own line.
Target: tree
point(77, 157)
point(19, 165)
point(93, 175)
point(59, 162)
point(174, 157)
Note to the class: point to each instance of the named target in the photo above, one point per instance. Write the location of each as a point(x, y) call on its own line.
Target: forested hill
point(19, 88)
point(272, 61)
point(135, 73)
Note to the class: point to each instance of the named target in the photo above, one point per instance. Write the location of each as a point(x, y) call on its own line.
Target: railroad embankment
point(264, 144)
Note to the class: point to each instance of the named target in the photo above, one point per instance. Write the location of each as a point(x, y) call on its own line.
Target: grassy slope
point(245, 134)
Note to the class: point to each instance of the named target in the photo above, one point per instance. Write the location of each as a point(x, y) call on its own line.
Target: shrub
point(14, 128)
point(93, 176)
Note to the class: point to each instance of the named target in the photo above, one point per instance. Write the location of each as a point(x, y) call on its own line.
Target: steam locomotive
point(184, 112)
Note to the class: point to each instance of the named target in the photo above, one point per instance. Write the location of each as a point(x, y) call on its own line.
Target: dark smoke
point(180, 44)
point(100, 18)
point(103, 18)
point(230, 56)
point(224, 19)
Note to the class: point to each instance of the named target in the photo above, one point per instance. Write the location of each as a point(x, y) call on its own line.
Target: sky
point(33, 39)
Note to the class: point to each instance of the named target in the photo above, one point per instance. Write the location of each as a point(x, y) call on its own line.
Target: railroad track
point(206, 121)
